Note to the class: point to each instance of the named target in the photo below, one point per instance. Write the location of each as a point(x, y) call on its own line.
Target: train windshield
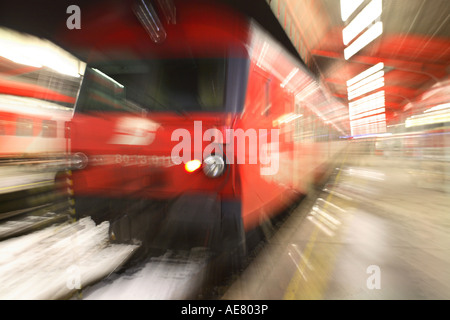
point(155, 85)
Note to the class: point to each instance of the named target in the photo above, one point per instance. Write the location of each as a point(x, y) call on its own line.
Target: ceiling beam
point(432, 70)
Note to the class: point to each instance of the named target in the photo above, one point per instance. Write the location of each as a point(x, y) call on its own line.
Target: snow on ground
point(172, 276)
point(55, 262)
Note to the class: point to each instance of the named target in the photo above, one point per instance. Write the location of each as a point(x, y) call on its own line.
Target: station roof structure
point(413, 46)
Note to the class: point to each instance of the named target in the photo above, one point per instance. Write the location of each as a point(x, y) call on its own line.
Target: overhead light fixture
point(373, 98)
point(169, 10)
point(148, 17)
point(428, 119)
point(379, 66)
point(369, 79)
point(372, 105)
point(262, 54)
point(367, 37)
point(367, 113)
point(289, 77)
point(348, 7)
point(373, 85)
point(371, 12)
point(108, 77)
point(438, 107)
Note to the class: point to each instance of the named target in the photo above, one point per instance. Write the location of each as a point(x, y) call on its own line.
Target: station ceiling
point(414, 47)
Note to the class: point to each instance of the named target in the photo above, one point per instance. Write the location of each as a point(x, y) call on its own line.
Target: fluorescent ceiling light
point(407, 106)
point(441, 118)
point(367, 80)
point(289, 77)
point(367, 37)
point(291, 118)
point(348, 7)
point(262, 54)
point(373, 104)
point(378, 83)
point(379, 66)
point(108, 77)
point(367, 113)
point(369, 120)
point(368, 99)
point(371, 135)
point(438, 107)
point(148, 17)
point(362, 20)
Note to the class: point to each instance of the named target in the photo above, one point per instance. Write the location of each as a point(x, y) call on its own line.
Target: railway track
point(30, 201)
point(47, 254)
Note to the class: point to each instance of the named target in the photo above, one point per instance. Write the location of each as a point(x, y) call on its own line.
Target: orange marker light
point(192, 165)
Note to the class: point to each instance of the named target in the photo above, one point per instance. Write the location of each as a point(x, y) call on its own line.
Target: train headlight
point(213, 166)
point(78, 161)
point(192, 165)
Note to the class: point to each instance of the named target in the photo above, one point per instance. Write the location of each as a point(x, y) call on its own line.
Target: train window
point(24, 127)
point(49, 129)
point(155, 85)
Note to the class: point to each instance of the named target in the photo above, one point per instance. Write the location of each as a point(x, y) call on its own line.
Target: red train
point(31, 128)
point(36, 99)
point(194, 106)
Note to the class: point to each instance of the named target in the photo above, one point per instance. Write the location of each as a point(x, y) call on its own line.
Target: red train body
point(36, 100)
point(32, 128)
point(217, 84)
point(205, 84)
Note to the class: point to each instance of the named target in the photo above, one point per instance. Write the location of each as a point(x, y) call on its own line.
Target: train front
point(148, 136)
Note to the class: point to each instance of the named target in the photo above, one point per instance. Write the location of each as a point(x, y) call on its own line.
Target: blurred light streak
point(169, 10)
point(376, 84)
point(364, 113)
point(286, 118)
point(289, 77)
point(373, 98)
point(328, 203)
point(322, 227)
point(379, 66)
point(262, 54)
point(362, 108)
point(438, 107)
point(108, 77)
point(367, 113)
point(35, 52)
point(427, 119)
point(334, 222)
point(368, 36)
point(148, 17)
point(371, 12)
point(192, 165)
point(348, 7)
point(365, 81)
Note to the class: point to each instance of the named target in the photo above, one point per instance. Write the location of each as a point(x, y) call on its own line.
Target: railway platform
point(379, 230)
